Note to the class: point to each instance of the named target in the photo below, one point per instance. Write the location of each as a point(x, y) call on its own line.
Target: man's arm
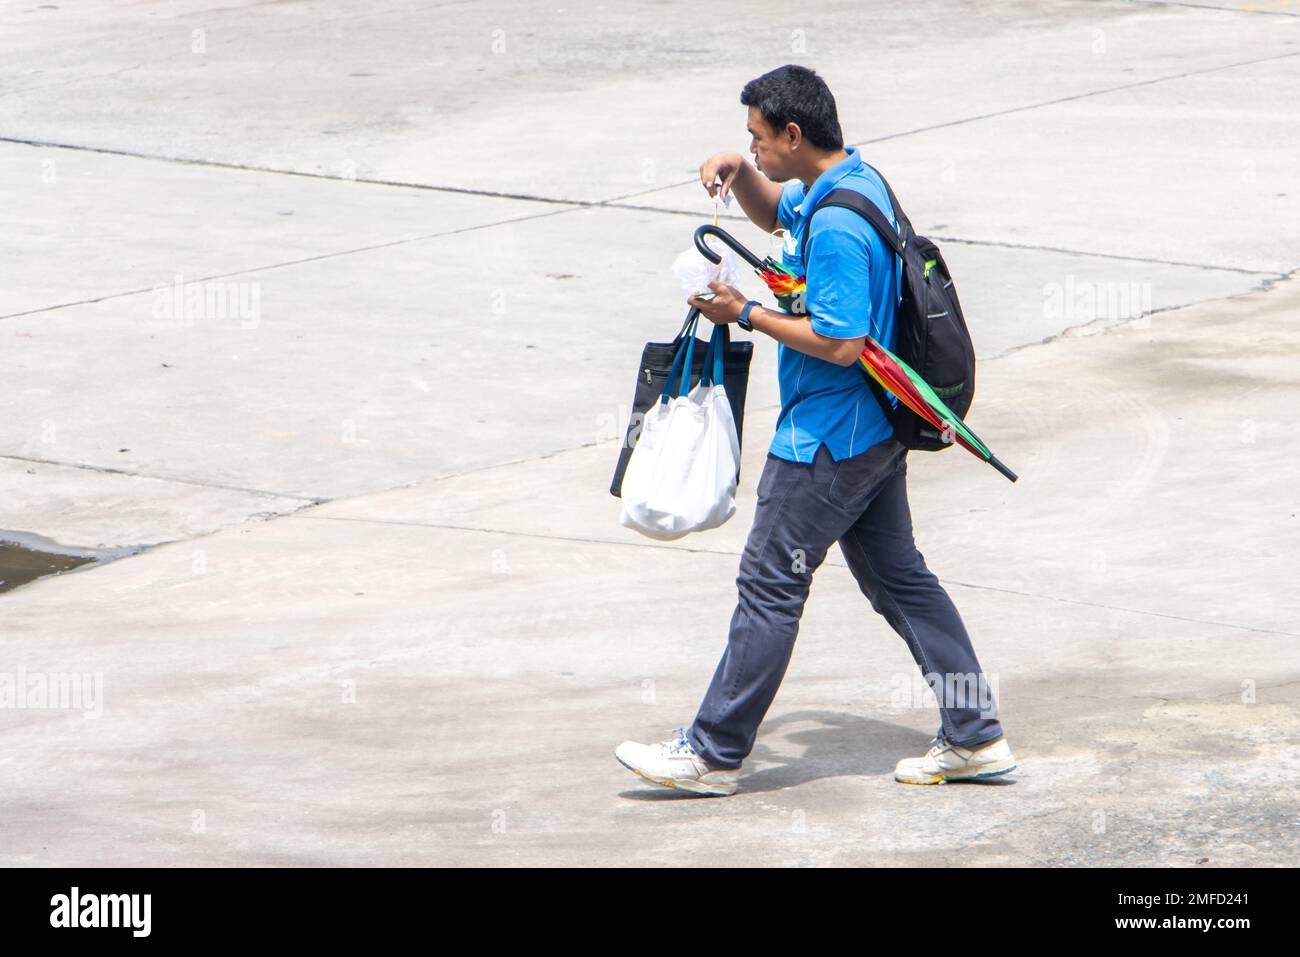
point(759, 196)
point(797, 333)
point(793, 331)
point(838, 296)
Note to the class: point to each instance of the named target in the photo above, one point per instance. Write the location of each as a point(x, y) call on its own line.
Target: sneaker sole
point(944, 778)
point(688, 786)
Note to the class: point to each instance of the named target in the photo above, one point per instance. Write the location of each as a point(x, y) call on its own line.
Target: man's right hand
point(759, 197)
point(720, 166)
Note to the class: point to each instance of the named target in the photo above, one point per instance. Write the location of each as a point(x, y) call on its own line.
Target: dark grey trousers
point(860, 502)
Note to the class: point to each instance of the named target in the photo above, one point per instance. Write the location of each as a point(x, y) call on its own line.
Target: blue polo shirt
point(852, 290)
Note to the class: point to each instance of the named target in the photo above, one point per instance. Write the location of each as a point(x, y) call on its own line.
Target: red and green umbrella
point(915, 393)
point(877, 362)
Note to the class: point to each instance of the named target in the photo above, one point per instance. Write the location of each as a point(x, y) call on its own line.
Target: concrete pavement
point(337, 308)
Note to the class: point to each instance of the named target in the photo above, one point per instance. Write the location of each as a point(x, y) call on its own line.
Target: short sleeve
point(838, 274)
point(791, 196)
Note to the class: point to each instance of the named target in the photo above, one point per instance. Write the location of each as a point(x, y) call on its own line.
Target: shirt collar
point(829, 179)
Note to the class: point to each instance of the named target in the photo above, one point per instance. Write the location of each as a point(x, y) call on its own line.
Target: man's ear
point(793, 134)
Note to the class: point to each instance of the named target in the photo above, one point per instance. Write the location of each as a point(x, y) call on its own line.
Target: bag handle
point(685, 351)
point(713, 373)
point(690, 315)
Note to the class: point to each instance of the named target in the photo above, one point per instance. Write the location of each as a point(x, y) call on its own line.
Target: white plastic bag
point(681, 476)
point(695, 272)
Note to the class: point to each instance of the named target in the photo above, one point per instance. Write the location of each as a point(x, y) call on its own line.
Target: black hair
point(795, 94)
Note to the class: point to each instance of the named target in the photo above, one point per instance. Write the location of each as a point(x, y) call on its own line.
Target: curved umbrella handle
point(727, 238)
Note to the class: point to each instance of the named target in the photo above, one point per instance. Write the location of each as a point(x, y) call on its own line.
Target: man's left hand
point(724, 307)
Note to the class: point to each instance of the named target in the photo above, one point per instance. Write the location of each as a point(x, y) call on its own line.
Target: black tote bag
point(656, 360)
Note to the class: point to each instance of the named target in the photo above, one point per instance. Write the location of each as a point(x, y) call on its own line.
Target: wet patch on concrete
point(25, 558)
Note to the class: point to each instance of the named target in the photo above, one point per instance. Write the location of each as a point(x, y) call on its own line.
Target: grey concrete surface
point(387, 614)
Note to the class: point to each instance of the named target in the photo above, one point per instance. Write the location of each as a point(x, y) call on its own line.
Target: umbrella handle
point(730, 240)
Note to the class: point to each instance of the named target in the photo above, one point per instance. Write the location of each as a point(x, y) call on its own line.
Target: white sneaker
point(674, 764)
point(947, 762)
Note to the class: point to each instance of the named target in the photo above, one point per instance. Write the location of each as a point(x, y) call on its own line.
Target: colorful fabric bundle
point(788, 288)
point(893, 374)
point(898, 377)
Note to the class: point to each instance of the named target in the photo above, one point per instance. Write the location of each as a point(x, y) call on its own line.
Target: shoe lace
point(678, 745)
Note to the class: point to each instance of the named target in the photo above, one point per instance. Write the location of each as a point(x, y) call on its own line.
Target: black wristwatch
point(743, 321)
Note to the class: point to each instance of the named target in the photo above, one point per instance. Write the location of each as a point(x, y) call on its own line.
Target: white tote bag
point(681, 476)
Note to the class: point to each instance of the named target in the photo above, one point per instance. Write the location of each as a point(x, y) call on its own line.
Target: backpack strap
point(899, 215)
point(852, 199)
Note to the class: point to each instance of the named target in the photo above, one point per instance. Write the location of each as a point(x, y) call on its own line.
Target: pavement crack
point(1131, 611)
point(109, 470)
point(275, 171)
point(570, 206)
point(549, 536)
point(1011, 110)
point(542, 535)
point(535, 198)
point(1206, 6)
point(1106, 324)
point(76, 79)
point(1003, 244)
point(1089, 253)
point(281, 265)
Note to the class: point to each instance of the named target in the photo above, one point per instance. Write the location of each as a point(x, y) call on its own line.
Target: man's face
point(771, 148)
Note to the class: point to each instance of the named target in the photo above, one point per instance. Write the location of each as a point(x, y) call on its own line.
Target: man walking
point(834, 472)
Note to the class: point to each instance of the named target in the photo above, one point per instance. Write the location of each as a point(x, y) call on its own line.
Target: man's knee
point(885, 576)
point(776, 589)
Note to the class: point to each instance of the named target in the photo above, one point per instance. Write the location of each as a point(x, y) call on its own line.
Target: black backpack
point(931, 332)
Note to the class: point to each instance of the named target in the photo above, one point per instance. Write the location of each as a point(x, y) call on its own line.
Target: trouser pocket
point(856, 479)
